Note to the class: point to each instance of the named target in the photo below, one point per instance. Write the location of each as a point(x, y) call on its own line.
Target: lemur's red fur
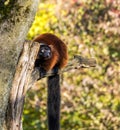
point(59, 51)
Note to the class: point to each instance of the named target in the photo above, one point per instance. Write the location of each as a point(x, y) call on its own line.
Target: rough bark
point(14, 26)
point(20, 85)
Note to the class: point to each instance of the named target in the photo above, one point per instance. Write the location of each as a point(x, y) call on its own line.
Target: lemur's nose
point(46, 54)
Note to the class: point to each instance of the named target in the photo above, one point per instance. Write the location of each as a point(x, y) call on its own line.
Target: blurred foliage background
point(90, 97)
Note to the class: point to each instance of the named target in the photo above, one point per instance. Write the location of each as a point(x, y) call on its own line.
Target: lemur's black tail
point(53, 102)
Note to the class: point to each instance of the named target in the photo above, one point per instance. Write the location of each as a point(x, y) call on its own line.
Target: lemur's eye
point(42, 50)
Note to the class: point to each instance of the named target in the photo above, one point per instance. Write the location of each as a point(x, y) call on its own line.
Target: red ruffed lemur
point(52, 56)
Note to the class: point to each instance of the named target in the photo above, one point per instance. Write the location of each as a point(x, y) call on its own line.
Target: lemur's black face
point(45, 52)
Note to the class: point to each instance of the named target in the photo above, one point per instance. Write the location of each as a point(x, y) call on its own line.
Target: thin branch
point(76, 63)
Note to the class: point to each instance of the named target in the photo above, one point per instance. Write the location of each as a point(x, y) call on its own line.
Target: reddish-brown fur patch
point(59, 50)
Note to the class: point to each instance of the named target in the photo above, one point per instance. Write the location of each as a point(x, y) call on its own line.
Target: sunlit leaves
point(44, 16)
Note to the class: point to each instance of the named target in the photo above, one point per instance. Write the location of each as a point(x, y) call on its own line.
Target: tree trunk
point(15, 21)
point(21, 83)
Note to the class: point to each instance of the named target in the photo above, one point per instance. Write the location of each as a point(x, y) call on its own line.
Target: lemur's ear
point(51, 46)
